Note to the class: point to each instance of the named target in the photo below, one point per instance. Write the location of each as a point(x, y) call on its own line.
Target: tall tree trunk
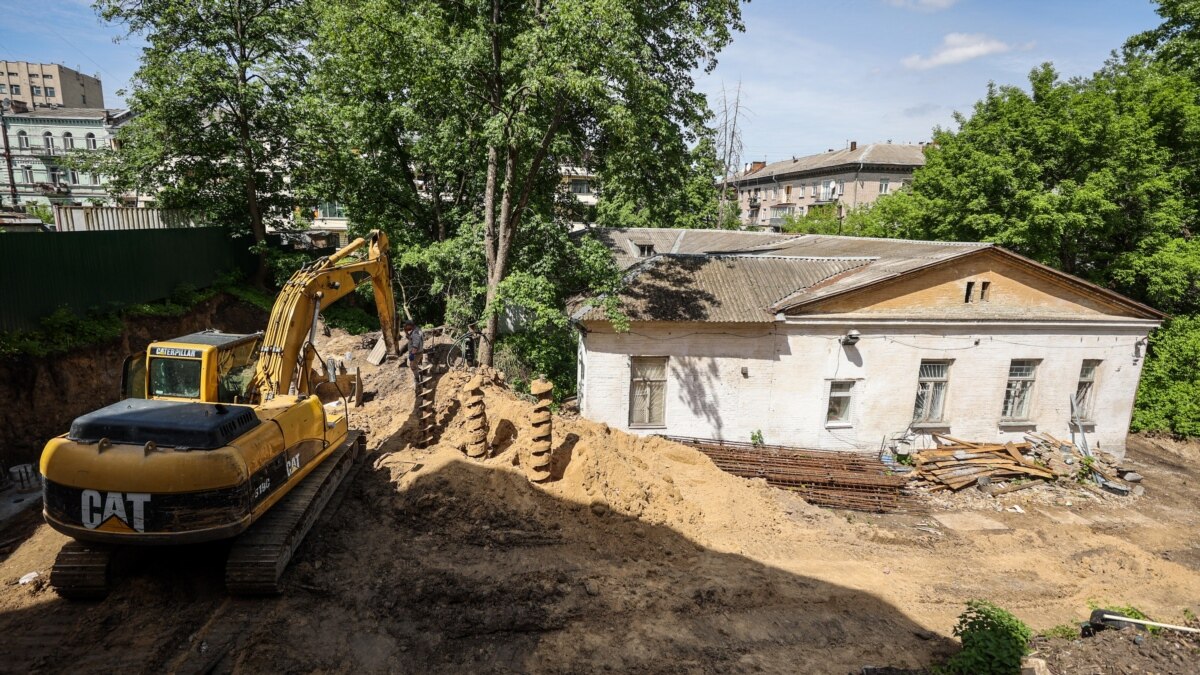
point(491, 236)
point(489, 245)
point(252, 205)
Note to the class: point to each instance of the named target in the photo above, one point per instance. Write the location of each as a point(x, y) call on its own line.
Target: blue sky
point(814, 75)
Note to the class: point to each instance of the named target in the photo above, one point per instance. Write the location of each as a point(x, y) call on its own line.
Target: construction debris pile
point(838, 479)
point(955, 464)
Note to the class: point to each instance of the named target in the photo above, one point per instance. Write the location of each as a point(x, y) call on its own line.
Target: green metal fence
point(83, 271)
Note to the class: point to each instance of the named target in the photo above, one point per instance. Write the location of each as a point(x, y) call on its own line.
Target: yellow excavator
point(217, 436)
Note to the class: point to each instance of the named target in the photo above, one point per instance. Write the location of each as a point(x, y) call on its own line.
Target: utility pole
point(12, 183)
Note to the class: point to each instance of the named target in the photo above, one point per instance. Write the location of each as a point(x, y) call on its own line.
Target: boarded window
point(647, 391)
point(1019, 392)
point(1085, 390)
point(841, 393)
point(932, 380)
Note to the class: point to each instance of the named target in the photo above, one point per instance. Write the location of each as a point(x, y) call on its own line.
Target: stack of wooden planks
point(846, 480)
point(956, 464)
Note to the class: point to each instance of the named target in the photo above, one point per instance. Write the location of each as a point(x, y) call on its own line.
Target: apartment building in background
point(33, 171)
point(842, 179)
point(44, 85)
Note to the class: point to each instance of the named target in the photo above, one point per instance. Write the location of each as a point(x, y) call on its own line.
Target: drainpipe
point(12, 183)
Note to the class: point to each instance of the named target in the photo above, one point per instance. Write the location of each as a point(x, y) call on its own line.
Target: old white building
point(841, 343)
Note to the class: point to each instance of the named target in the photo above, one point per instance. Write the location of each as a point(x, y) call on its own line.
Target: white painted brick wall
point(789, 366)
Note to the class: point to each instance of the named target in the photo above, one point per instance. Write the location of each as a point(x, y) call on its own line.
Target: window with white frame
point(35, 90)
point(68, 140)
point(841, 395)
point(647, 391)
point(48, 140)
point(95, 178)
point(1018, 394)
point(16, 88)
point(826, 190)
point(90, 141)
point(884, 186)
point(3, 88)
point(74, 176)
point(27, 174)
point(22, 140)
point(932, 381)
point(1085, 390)
point(50, 91)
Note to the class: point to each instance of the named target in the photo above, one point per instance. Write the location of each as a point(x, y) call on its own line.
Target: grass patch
point(65, 331)
point(1063, 631)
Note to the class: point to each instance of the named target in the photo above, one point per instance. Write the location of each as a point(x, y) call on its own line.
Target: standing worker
point(416, 346)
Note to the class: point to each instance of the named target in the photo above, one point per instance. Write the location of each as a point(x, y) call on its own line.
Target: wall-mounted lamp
point(851, 338)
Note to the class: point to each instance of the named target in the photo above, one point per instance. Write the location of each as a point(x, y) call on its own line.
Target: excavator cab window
point(133, 376)
point(235, 371)
point(175, 378)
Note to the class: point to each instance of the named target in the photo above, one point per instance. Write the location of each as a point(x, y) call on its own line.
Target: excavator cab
point(209, 366)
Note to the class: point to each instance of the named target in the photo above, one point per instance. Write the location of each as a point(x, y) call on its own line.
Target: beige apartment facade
point(44, 85)
point(842, 179)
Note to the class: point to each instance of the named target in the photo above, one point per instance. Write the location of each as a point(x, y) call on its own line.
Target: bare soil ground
point(638, 556)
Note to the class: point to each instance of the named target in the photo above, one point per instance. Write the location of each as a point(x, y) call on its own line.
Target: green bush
point(1168, 397)
point(993, 641)
point(353, 320)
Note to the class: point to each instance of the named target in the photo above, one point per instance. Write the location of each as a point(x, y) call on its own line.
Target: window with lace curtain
point(932, 381)
point(647, 391)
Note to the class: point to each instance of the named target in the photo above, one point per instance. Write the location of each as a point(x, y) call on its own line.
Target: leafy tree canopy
point(217, 126)
point(1093, 176)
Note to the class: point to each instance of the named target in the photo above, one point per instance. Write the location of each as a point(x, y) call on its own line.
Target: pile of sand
point(649, 478)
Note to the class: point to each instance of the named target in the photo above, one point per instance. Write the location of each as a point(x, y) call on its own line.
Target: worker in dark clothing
point(416, 345)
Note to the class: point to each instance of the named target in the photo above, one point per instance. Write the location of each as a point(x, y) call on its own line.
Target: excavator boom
point(286, 352)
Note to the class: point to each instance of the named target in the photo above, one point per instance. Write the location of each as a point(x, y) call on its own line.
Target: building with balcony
point(36, 143)
point(840, 179)
point(46, 85)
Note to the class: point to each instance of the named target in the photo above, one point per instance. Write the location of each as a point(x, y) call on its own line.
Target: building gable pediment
point(985, 284)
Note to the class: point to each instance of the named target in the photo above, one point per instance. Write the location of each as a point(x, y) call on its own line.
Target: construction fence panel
point(106, 270)
point(104, 218)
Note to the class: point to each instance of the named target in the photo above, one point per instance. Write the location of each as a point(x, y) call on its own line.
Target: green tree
point(689, 197)
point(471, 107)
point(215, 95)
point(1093, 176)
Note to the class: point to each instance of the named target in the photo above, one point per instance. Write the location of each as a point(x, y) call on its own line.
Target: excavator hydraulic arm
point(286, 350)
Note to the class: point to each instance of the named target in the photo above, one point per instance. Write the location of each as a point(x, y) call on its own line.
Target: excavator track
point(258, 557)
point(81, 571)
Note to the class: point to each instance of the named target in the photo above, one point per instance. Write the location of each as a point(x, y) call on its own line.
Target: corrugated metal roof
point(623, 241)
point(722, 288)
point(893, 257)
point(875, 154)
point(716, 275)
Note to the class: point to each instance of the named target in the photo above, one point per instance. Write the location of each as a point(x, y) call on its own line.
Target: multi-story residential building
point(843, 179)
point(40, 85)
point(36, 142)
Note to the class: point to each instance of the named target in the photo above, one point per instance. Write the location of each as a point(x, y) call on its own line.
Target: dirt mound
point(637, 555)
point(657, 481)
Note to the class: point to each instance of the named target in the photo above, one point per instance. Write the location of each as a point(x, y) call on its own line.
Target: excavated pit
point(635, 555)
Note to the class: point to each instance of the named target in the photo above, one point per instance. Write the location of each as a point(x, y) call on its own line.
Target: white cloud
point(957, 48)
point(923, 5)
